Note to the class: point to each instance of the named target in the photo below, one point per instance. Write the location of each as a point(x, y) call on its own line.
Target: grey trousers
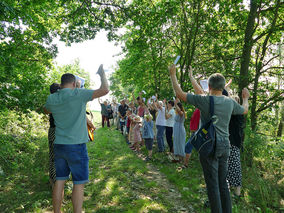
point(215, 172)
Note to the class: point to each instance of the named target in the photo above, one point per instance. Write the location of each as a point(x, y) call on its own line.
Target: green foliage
point(262, 163)
point(19, 132)
point(56, 73)
point(25, 51)
point(209, 36)
point(23, 145)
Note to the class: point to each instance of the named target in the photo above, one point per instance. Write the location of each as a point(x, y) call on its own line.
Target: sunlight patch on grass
point(145, 205)
point(109, 187)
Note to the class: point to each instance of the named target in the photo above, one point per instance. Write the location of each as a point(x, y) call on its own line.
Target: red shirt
point(128, 122)
point(194, 120)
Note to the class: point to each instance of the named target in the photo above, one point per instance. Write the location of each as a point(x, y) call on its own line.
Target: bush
point(19, 135)
point(262, 163)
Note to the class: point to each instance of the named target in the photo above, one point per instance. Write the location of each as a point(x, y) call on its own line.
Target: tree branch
point(269, 31)
point(273, 68)
point(269, 102)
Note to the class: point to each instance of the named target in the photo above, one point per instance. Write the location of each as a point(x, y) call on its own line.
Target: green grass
point(119, 180)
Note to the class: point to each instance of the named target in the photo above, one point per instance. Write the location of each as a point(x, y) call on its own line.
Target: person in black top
point(122, 114)
point(51, 136)
point(236, 130)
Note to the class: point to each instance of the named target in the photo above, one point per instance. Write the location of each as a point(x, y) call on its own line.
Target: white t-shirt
point(161, 120)
point(171, 121)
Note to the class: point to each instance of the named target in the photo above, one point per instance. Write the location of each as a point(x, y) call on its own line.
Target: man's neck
point(70, 86)
point(215, 92)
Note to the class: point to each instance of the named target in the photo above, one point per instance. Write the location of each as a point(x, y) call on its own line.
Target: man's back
point(224, 107)
point(68, 107)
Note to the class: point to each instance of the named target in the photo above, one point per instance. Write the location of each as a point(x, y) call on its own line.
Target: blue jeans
point(215, 173)
point(122, 124)
point(160, 138)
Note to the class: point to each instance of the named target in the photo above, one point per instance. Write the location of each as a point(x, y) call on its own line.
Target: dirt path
point(172, 194)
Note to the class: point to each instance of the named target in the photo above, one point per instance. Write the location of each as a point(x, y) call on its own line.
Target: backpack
point(204, 139)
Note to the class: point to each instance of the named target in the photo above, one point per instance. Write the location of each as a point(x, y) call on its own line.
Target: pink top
point(141, 111)
point(137, 133)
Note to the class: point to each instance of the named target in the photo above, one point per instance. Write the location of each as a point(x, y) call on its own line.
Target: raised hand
point(227, 86)
point(245, 93)
point(177, 101)
point(172, 69)
point(190, 72)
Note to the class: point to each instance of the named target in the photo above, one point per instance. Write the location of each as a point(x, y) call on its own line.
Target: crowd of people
point(153, 122)
point(145, 121)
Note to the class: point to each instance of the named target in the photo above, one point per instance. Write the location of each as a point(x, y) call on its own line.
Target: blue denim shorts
point(188, 146)
point(72, 158)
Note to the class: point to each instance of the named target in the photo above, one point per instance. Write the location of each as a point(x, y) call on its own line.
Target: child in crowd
point(193, 126)
point(136, 132)
point(148, 134)
point(131, 132)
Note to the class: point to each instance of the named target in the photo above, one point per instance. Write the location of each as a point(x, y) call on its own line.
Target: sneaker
point(206, 204)
point(148, 159)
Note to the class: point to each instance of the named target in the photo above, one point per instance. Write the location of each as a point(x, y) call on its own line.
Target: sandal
point(182, 167)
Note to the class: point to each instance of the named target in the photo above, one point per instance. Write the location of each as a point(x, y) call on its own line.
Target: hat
point(137, 119)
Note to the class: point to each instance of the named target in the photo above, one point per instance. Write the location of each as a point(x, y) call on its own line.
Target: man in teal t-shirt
point(68, 107)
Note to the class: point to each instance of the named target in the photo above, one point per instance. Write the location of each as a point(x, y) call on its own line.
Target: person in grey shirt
point(104, 112)
point(215, 168)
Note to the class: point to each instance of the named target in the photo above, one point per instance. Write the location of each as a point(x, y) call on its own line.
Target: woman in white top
point(160, 124)
point(170, 120)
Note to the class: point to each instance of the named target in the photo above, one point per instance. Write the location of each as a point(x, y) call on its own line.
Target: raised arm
point(245, 95)
point(197, 88)
point(157, 106)
point(99, 100)
point(177, 107)
point(178, 91)
point(134, 99)
point(104, 89)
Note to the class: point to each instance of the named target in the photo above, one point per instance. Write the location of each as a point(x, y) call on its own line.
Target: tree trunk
point(280, 126)
point(248, 43)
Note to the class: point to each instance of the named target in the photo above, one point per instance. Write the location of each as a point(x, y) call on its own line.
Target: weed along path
point(120, 181)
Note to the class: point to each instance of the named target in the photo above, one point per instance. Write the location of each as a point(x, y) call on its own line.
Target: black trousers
point(169, 136)
point(105, 118)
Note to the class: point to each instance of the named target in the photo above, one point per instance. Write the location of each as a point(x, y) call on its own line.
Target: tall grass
point(118, 178)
